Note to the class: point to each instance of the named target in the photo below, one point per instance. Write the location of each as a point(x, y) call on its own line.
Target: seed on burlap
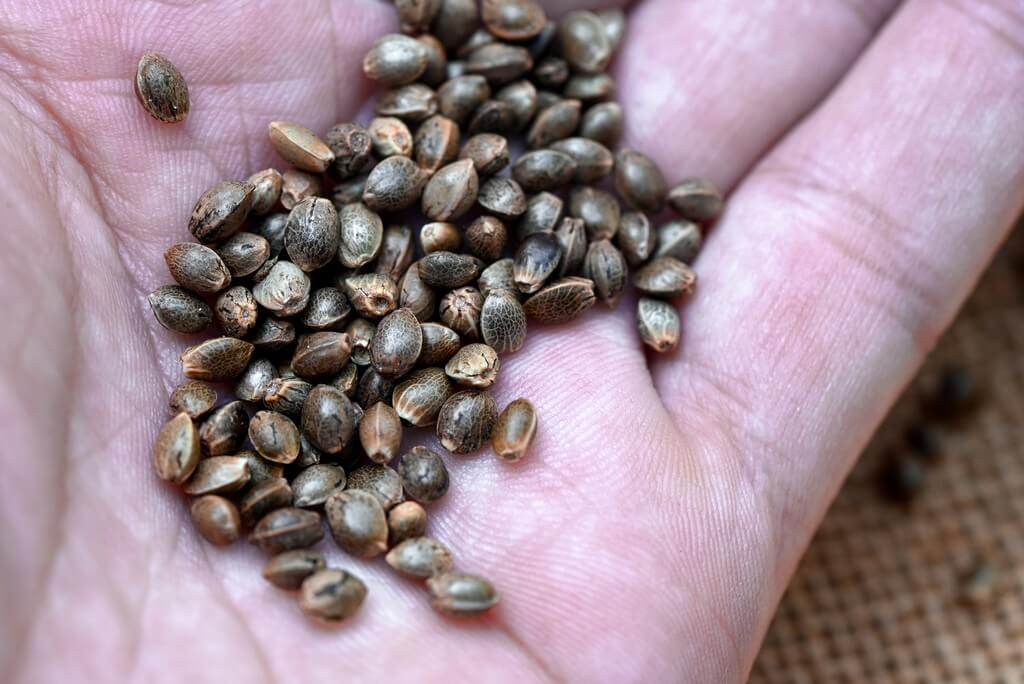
point(447, 270)
point(420, 557)
point(264, 496)
point(328, 419)
point(287, 395)
point(260, 469)
point(415, 295)
point(439, 344)
point(436, 142)
point(572, 237)
point(223, 432)
point(331, 595)
point(396, 252)
point(605, 265)
point(604, 123)
point(192, 397)
point(460, 594)
point(679, 239)
point(599, 210)
point(328, 309)
point(493, 116)
point(486, 237)
point(220, 211)
point(352, 148)
point(475, 365)
point(589, 88)
point(593, 160)
point(424, 475)
point(217, 474)
point(459, 97)
point(298, 185)
point(380, 432)
point(497, 276)
point(311, 236)
point(543, 214)
point(321, 354)
point(176, 451)
point(288, 528)
point(555, 123)
point(522, 99)
point(161, 88)
point(361, 332)
point(285, 290)
point(665, 277)
point(288, 569)
point(236, 311)
point(439, 236)
point(536, 259)
point(499, 62)
point(696, 199)
point(657, 322)
point(639, 180)
point(358, 522)
point(503, 321)
point(451, 191)
point(244, 253)
point(314, 484)
point(419, 397)
point(410, 103)
point(381, 481)
point(406, 521)
point(460, 311)
point(514, 430)
point(465, 421)
point(397, 343)
point(197, 267)
point(394, 60)
point(373, 295)
point(562, 301)
point(390, 136)
point(394, 184)
point(488, 152)
point(436, 72)
point(216, 519)
point(274, 436)
point(541, 170)
point(178, 310)
point(221, 358)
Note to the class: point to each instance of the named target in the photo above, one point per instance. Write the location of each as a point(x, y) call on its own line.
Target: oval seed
point(514, 430)
point(465, 421)
point(272, 335)
point(236, 311)
point(390, 136)
point(447, 270)
point(412, 103)
point(543, 214)
point(266, 191)
point(635, 237)
point(352, 148)
point(440, 237)
point(357, 522)
point(285, 529)
point(497, 276)
point(415, 295)
point(561, 301)
point(373, 387)
point(536, 259)
point(488, 152)
point(161, 88)
point(253, 383)
point(604, 123)
point(300, 146)
point(572, 237)
point(361, 332)
point(244, 253)
point(503, 321)
point(461, 96)
point(493, 116)
point(451, 191)
point(395, 59)
point(416, 15)
point(180, 311)
point(455, 21)
point(665, 277)
point(679, 239)
point(584, 42)
point(419, 398)
point(321, 354)
point(216, 519)
point(298, 185)
point(222, 358)
point(285, 290)
point(394, 184)
point(437, 61)
point(219, 212)
point(486, 238)
point(599, 210)
point(331, 595)
point(555, 123)
point(380, 432)
point(589, 87)
point(274, 436)
point(397, 343)
point(523, 100)
point(439, 344)
point(420, 557)
point(593, 160)
point(658, 324)
point(551, 72)
point(287, 395)
point(288, 569)
point(396, 252)
point(406, 521)
point(460, 311)
point(437, 142)
point(197, 268)
point(381, 481)
point(502, 196)
point(312, 233)
point(373, 295)
point(192, 397)
point(639, 181)
point(264, 496)
point(543, 170)
point(347, 379)
point(270, 228)
point(460, 594)
point(423, 474)
point(176, 451)
point(217, 474)
point(328, 309)
point(314, 484)
point(696, 199)
point(513, 19)
point(499, 62)
point(223, 432)
point(475, 365)
point(605, 265)
point(328, 419)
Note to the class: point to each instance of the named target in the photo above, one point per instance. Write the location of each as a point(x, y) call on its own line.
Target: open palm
point(666, 501)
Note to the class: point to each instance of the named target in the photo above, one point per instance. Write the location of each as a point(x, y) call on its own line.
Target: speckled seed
point(696, 199)
point(465, 421)
point(461, 96)
point(321, 354)
point(503, 321)
point(236, 311)
point(415, 15)
point(436, 72)
point(285, 290)
point(555, 123)
point(180, 311)
point(352, 148)
point(679, 239)
point(380, 432)
point(331, 595)
point(497, 276)
point(285, 529)
point(379, 480)
point(415, 295)
point(395, 60)
point(311, 236)
point(223, 432)
point(499, 63)
point(665, 277)
point(410, 103)
point(460, 594)
point(522, 99)
point(298, 185)
point(267, 191)
point(261, 471)
point(263, 271)
point(514, 20)
point(406, 521)
point(300, 146)
point(514, 430)
point(460, 311)
point(639, 181)
point(287, 570)
point(635, 237)
point(542, 215)
point(493, 116)
point(486, 238)
point(358, 522)
point(361, 332)
point(328, 309)
point(594, 161)
point(604, 123)
point(599, 210)
point(455, 21)
point(605, 265)
point(536, 259)
point(419, 398)
point(328, 419)
point(488, 152)
point(437, 142)
point(420, 557)
point(347, 379)
point(451, 191)
point(274, 436)
point(390, 136)
point(543, 170)
point(423, 474)
point(658, 324)
point(161, 88)
point(373, 387)
point(502, 196)
point(192, 397)
point(589, 88)
point(314, 484)
point(551, 72)
point(222, 358)
point(439, 344)
point(217, 474)
point(287, 395)
point(348, 191)
point(197, 268)
point(475, 365)
point(244, 253)
point(252, 385)
point(219, 212)
point(396, 252)
point(216, 519)
point(397, 343)
point(447, 270)
point(394, 184)
point(572, 237)
point(440, 237)
point(561, 301)
point(176, 451)
point(263, 497)
point(372, 294)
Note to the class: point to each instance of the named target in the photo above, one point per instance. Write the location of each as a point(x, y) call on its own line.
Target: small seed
point(440, 237)
point(437, 142)
point(222, 358)
point(197, 268)
point(396, 252)
point(522, 99)
point(658, 324)
point(410, 103)
point(267, 191)
point(314, 484)
point(451, 191)
point(287, 395)
point(553, 124)
point(543, 170)
point(357, 522)
point(390, 136)
point(217, 474)
point(298, 185)
point(271, 228)
point(539, 44)
point(331, 595)
point(696, 199)
point(514, 430)
point(260, 470)
point(604, 123)
point(572, 237)
point(614, 21)
point(635, 237)
point(419, 398)
point(348, 191)
point(223, 432)
point(497, 276)
point(380, 432)
point(486, 238)
point(415, 295)
point(395, 59)
point(244, 253)
point(220, 211)
point(465, 421)
point(584, 42)
point(381, 481)
point(502, 196)
point(161, 88)
point(475, 365)
point(192, 397)
point(546, 98)
point(416, 15)
point(562, 301)
point(551, 72)
point(300, 146)
point(309, 455)
point(543, 214)
point(328, 309)
point(372, 294)
point(665, 277)
point(406, 521)
point(420, 557)
point(423, 474)
point(514, 20)
point(461, 96)
point(253, 383)
point(287, 570)
point(397, 343)
point(179, 310)
point(503, 321)
point(455, 21)
point(394, 184)
point(460, 594)
point(460, 310)
point(493, 116)
point(176, 451)
point(639, 181)
point(536, 259)
point(321, 354)
point(328, 419)
point(274, 436)
point(361, 332)
point(312, 233)
point(599, 210)
point(236, 311)
point(593, 160)
point(347, 379)
point(589, 88)
point(436, 72)
point(605, 265)
point(679, 239)
point(373, 387)
point(439, 344)
point(488, 152)
point(285, 290)
point(447, 270)
point(285, 529)
point(216, 519)
point(264, 496)
point(352, 148)
point(499, 63)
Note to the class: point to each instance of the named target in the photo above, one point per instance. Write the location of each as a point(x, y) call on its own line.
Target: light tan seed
point(658, 324)
point(440, 237)
point(288, 569)
point(460, 594)
point(300, 146)
point(665, 277)
point(216, 519)
point(331, 595)
point(197, 268)
point(380, 432)
point(372, 295)
point(406, 521)
point(390, 136)
point(267, 191)
point(357, 522)
point(176, 451)
point(562, 301)
point(274, 436)
point(514, 430)
point(475, 365)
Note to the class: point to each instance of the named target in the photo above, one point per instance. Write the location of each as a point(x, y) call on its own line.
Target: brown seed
point(460, 311)
point(665, 277)
point(486, 238)
point(287, 395)
point(465, 421)
point(696, 199)
point(658, 324)
point(217, 474)
point(197, 268)
point(244, 253)
point(605, 265)
point(639, 181)
point(551, 72)
point(395, 59)
point(460, 594)
point(410, 103)
point(536, 259)
point(358, 522)
point(372, 294)
point(223, 432)
point(397, 343)
point(635, 237)
point(308, 454)
point(437, 142)
point(599, 210)
point(285, 290)
point(584, 42)
point(236, 311)
point(475, 365)
point(252, 385)
point(415, 295)
point(488, 152)
point(503, 321)
point(461, 96)
point(220, 211)
point(523, 100)
point(416, 15)
point(502, 196)
point(539, 44)
point(352, 148)
point(396, 252)
point(420, 557)
point(328, 419)
point(311, 236)
point(263, 497)
point(423, 474)
point(514, 20)
point(381, 481)
point(439, 344)
point(331, 595)
point(300, 146)
point(406, 521)
point(497, 276)
point(222, 358)
point(216, 519)
point(373, 387)
point(314, 484)
point(561, 301)
point(455, 21)
point(440, 237)
point(328, 309)
point(192, 397)
point(543, 214)
point(543, 170)
point(572, 237)
point(347, 380)
point(390, 136)
point(679, 239)
point(180, 311)
point(271, 228)
point(288, 528)
point(348, 191)
point(614, 21)
point(287, 570)
point(263, 271)
point(267, 191)
point(447, 270)
point(161, 88)
point(260, 471)
point(419, 398)
point(274, 436)
point(361, 235)
point(493, 116)
point(546, 98)
point(604, 123)
point(590, 88)
point(321, 354)
point(361, 332)
point(594, 161)
point(394, 184)
point(451, 191)
point(176, 451)
point(298, 185)
point(554, 123)
point(514, 430)
point(499, 63)
point(436, 72)
point(380, 432)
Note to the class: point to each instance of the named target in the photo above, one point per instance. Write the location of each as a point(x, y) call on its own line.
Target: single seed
point(223, 432)
point(264, 496)
point(423, 474)
point(192, 397)
point(300, 146)
point(465, 421)
point(461, 96)
point(272, 334)
point(415, 295)
point(288, 569)
point(536, 259)
point(447, 270)
point(298, 185)
point(380, 432)
point(176, 451)
point(562, 301)
point(451, 191)
point(440, 237)
point(639, 181)
point(584, 42)
point(411, 103)
point(236, 311)
point(455, 21)
point(614, 21)
point(475, 365)
point(543, 214)
point(436, 72)
point(357, 522)
point(197, 268)
point(635, 237)
point(260, 470)
point(546, 98)
point(361, 332)
point(493, 116)
point(589, 88)
point(406, 521)
point(373, 387)
point(287, 395)
point(271, 228)
point(902, 478)
point(396, 252)
point(543, 170)
point(331, 595)
point(285, 290)
point(436, 143)
point(679, 239)
point(515, 20)
point(381, 481)
point(309, 455)
point(604, 123)
point(219, 212)
point(420, 557)
point(599, 210)
point(539, 44)
point(665, 277)
point(514, 430)
point(274, 436)
point(555, 123)
point(311, 236)
point(321, 354)
point(572, 237)
point(593, 160)
point(502, 196)
point(497, 276)
point(328, 419)
point(460, 594)
point(416, 15)
point(314, 484)
point(244, 253)
point(439, 344)
point(217, 474)
point(216, 519)
point(460, 311)
point(180, 311)
point(503, 321)
point(221, 358)
point(253, 383)
point(488, 152)
point(390, 136)
point(551, 72)
point(328, 309)
point(522, 99)
point(397, 343)
point(419, 398)
point(605, 265)
point(696, 199)
point(394, 184)
point(285, 529)
point(266, 191)
point(161, 88)
point(352, 148)
point(395, 60)
point(347, 379)
point(348, 191)
point(658, 324)
point(372, 294)
point(486, 238)
point(499, 62)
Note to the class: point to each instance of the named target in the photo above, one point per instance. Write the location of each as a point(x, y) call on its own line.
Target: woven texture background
point(878, 596)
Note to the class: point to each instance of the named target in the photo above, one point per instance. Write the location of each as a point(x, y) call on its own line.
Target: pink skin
point(653, 527)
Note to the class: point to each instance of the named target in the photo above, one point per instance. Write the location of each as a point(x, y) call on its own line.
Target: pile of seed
point(346, 316)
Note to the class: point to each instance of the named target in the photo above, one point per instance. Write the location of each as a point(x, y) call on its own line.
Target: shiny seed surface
point(274, 436)
point(380, 432)
point(394, 184)
point(373, 387)
point(665, 277)
point(424, 475)
point(217, 474)
point(440, 236)
point(314, 484)
point(604, 123)
point(397, 343)
point(219, 212)
point(161, 88)
point(420, 557)
point(639, 181)
point(419, 397)
point(502, 196)
point(448, 270)
point(436, 143)
point(285, 529)
point(599, 210)
point(635, 237)
point(287, 395)
point(266, 191)
point(497, 276)
point(499, 62)
point(572, 238)
point(459, 97)
point(536, 259)
point(379, 480)
point(657, 322)
point(236, 311)
point(321, 354)
point(503, 321)
point(328, 419)
point(460, 594)
point(555, 123)
point(192, 397)
point(390, 136)
point(300, 147)
point(197, 268)
point(416, 295)
point(451, 191)
point(488, 151)
point(223, 432)
point(514, 430)
point(486, 238)
point(216, 519)
point(411, 103)
point(396, 252)
point(178, 310)
point(541, 170)
point(328, 309)
point(176, 451)
point(264, 496)
point(243, 253)
point(288, 569)
point(465, 421)
point(460, 310)
point(299, 185)
point(255, 380)
point(475, 365)
point(395, 60)
point(331, 595)
point(606, 267)
point(679, 239)
point(514, 20)
point(358, 522)
point(439, 344)
point(455, 21)
point(584, 42)
point(222, 358)
point(696, 199)
point(562, 301)
point(312, 233)
point(522, 99)
point(543, 214)
point(593, 160)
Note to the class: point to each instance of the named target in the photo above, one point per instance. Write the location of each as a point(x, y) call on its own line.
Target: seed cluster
point(345, 315)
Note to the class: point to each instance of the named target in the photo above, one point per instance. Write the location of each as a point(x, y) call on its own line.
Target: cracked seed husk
point(361, 332)
point(372, 295)
point(287, 395)
point(176, 451)
point(285, 290)
point(298, 185)
point(475, 365)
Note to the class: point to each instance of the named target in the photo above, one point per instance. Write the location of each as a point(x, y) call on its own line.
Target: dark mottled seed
point(410, 103)
point(502, 196)
point(543, 170)
point(584, 42)
point(486, 238)
point(679, 239)
point(460, 594)
point(328, 309)
point(176, 451)
point(522, 99)
point(561, 301)
point(488, 152)
point(223, 432)
point(437, 61)
point(379, 480)
point(287, 570)
point(423, 474)
point(590, 87)
point(406, 521)
point(236, 311)
point(543, 214)
point(220, 211)
point(260, 471)
point(161, 88)
point(555, 123)
point(536, 259)
point(514, 430)
point(298, 185)
point(348, 191)
point(192, 397)
point(361, 235)
point(396, 252)
point(331, 595)
point(514, 20)
point(244, 253)
point(572, 237)
point(493, 116)
point(285, 290)
point(420, 557)
point(394, 60)
point(321, 354)
point(635, 237)
point(546, 98)
point(419, 397)
point(361, 332)
point(696, 199)
point(217, 474)
point(460, 311)
point(300, 147)
point(415, 295)
point(347, 380)
point(287, 395)
point(285, 529)
point(605, 265)
point(499, 63)
point(665, 277)
point(465, 421)
point(274, 436)
point(451, 191)
point(455, 21)
point(178, 310)
point(358, 522)
point(539, 44)
point(271, 228)
point(372, 294)
point(447, 270)
point(197, 267)
point(639, 181)
point(594, 161)
point(436, 143)
point(416, 15)
point(252, 385)
point(394, 184)
point(267, 191)
point(328, 419)
point(264, 496)
point(373, 387)
point(380, 432)
point(314, 484)
point(503, 321)
point(352, 148)
point(551, 72)
point(439, 344)
point(311, 236)
point(476, 40)
point(599, 210)
point(440, 237)
point(461, 96)
point(308, 454)
point(397, 343)
point(497, 276)
point(658, 324)
point(216, 519)
point(222, 358)
point(390, 136)
point(604, 123)
point(475, 365)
